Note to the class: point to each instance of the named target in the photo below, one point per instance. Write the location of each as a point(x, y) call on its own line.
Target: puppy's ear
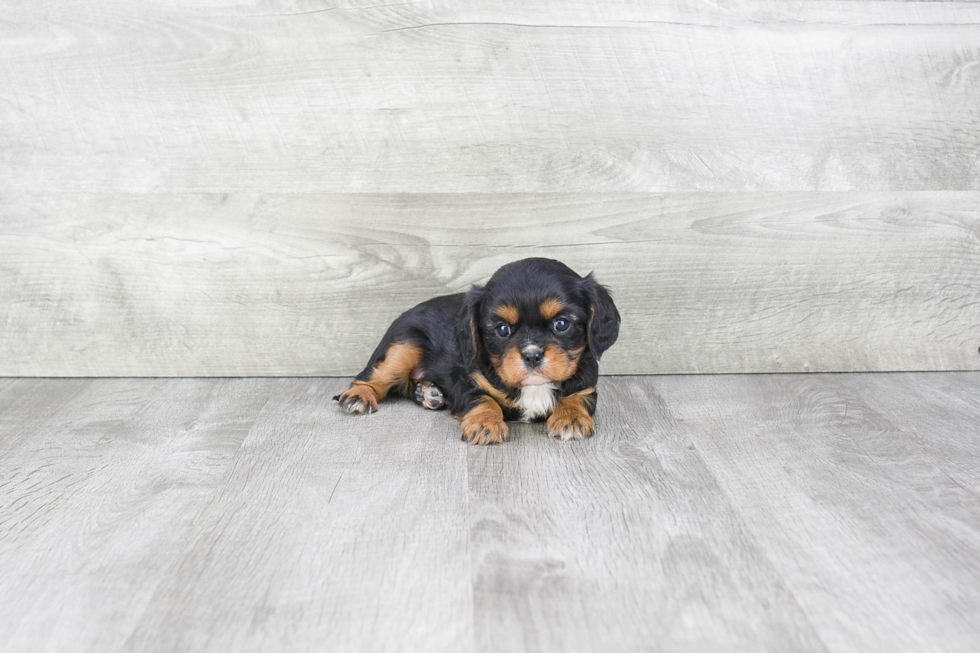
point(467, 334)
point(603, 327)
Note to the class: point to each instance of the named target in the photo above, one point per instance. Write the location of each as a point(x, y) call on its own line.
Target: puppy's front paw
point(359, 399)
point(485, 424)
point(570, 421)
point(485, 432)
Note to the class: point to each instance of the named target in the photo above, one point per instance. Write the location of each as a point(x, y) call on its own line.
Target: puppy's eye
point(561, 324)
point(503, 330)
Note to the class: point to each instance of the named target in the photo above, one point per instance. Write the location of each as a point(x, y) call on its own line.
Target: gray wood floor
point(782, 513)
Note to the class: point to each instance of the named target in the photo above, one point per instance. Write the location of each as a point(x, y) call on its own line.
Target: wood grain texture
point(330, 532)
point(489, 96)
point(810, 461)
point(737, 513)
point(306, 284)
point(941, 422)
point(624, 542)
point(100, 499)
point(25, 404)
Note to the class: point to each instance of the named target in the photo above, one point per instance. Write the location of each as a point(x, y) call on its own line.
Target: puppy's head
point(535, 320)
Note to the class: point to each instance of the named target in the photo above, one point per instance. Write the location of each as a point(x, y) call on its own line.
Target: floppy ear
point(603, 327)
point(467, 334)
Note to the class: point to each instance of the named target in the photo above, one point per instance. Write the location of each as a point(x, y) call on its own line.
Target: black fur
point(457, 336)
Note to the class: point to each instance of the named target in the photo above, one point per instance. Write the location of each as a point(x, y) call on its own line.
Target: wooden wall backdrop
point(233, 187)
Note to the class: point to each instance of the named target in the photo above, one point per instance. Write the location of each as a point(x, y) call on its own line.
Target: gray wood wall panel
point(176, 177)
point(489, 95)
point(305, 284)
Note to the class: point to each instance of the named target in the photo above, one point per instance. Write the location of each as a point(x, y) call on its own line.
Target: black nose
point(532, 357)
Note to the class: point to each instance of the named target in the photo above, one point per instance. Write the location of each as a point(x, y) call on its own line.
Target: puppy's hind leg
point(428, 395)
point(391, 368)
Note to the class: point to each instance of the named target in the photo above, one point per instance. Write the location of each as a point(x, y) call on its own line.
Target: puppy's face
point(535, 320)
point(534, 338)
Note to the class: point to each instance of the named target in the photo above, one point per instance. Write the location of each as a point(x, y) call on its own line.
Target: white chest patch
point(536, 401)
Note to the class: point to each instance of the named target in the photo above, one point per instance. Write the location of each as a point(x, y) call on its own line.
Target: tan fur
point(484, 423)
point(551, 307)
point(510, 368)
point(509, 312)
point(498, 395)
point(360, 391)
point(570, 419)
point(395, 371)
point(560, 365)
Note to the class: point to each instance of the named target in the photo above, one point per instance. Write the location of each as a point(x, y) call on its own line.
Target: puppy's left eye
point(561, 324)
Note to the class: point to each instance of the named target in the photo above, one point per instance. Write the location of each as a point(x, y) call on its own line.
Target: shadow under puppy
point(524, 347)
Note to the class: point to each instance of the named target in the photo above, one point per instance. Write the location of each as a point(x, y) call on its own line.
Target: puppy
point(524, 347)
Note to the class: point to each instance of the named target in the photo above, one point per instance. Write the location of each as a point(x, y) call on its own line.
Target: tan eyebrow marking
point(551, 307)
point(509, 312)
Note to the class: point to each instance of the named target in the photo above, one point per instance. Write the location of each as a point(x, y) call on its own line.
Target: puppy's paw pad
point(358, 400)
point(570, 426)
point(428, 395)
point(485, 431)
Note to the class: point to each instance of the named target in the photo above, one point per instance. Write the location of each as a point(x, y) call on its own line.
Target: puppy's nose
point(532, 356)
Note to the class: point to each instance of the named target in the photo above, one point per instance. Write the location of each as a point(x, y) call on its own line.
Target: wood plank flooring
point(818, 512)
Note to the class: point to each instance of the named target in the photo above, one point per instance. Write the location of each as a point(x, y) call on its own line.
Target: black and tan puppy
point(525, 346)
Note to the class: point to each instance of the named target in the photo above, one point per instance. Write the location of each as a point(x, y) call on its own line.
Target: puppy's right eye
point(503, 330)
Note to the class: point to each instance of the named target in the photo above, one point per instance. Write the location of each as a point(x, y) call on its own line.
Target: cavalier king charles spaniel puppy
point(524, 347)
